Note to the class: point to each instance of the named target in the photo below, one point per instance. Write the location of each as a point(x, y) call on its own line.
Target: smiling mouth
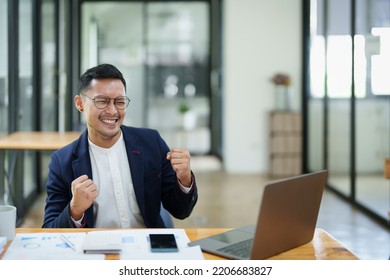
point(109, 121)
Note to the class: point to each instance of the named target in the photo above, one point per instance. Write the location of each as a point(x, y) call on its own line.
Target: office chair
point(386, 169)
point(166, 217)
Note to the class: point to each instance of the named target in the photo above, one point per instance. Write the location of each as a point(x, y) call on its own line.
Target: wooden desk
point(322, 247)
point(26, 140)
point(32, 140)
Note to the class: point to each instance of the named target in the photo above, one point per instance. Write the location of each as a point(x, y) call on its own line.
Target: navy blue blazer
point(153, 178)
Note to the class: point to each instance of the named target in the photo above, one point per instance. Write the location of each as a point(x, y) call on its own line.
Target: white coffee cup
point(7, 221)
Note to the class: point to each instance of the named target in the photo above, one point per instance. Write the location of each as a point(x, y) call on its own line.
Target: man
point(115, 175)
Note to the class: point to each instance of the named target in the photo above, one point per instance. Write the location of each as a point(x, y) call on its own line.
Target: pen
point(68, 242)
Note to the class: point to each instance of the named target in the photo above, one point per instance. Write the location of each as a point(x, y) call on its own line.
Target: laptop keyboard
point(241, 249)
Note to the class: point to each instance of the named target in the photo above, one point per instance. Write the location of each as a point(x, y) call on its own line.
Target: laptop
point(287, 219)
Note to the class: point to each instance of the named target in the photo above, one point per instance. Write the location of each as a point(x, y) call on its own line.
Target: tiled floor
point(230, 200)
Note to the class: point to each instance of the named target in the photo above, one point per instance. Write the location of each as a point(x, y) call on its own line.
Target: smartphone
point(163, 243)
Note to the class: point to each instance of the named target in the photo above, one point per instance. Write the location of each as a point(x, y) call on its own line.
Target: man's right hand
point(84, 193)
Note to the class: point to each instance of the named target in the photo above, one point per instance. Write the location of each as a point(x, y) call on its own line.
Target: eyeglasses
point(101, 102)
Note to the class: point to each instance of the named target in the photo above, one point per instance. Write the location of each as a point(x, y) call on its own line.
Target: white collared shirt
point(116, 206)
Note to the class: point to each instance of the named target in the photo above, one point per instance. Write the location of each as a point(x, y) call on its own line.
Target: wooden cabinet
point(285, 143)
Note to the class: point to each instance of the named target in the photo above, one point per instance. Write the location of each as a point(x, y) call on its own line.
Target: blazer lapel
point(134, 155)
point(81, 163)
point(82, 166)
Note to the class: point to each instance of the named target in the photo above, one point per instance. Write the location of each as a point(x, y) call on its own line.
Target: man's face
point(103, 124)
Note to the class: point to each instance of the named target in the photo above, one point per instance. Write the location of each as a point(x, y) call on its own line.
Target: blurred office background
point(201, 73)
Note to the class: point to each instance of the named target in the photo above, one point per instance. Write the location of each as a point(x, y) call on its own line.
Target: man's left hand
point(180, 161)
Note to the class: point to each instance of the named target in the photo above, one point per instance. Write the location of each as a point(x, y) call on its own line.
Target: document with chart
point(130, 244)
point(48, 246)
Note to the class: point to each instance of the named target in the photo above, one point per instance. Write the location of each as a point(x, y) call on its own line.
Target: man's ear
point(78, 102)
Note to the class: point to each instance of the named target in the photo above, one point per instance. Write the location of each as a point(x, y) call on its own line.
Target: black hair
point(102, 71)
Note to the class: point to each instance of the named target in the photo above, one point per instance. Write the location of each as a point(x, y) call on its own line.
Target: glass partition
point(349, 99)
point(49, 80)
point(178, 71)
point(112, 32)
point(316, 113)
point(373, 111)
point(164, 55)
point(25, 106)
point(3, 67)
point(339, 85)
point(48, 65)
point(330, 91)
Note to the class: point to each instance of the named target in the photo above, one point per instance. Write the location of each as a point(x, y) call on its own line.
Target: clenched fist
point(180, 161)
point(84, 193)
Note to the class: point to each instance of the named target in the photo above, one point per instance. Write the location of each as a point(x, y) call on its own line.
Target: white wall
point(261, 38)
